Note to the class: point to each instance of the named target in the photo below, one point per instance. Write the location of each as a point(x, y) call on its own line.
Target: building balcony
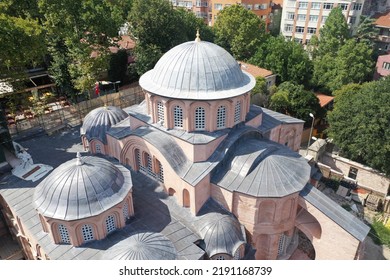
point(383, 38)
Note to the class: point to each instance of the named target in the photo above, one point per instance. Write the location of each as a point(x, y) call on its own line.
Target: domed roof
point(97, 122)
point(221, 234)
point(142, 246)
point(262, 168)
point(197, 70)
point(82, 187)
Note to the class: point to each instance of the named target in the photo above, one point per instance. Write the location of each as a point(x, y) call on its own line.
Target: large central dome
point(197, 70)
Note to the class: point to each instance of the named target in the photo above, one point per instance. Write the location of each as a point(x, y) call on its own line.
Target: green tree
point(156, 22)
point(84, 30)
point(239, 31)
point(294, 100)
point(359, 124)
point(366, 31)
point(260, 94)
point(287, 59)
point(334, 33)
point(21, 40)
point(352, 63)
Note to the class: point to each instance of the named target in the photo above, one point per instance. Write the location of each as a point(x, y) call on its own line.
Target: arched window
point(186, 198)
point(98, 149)
point(64, 235)
point(282, 244)
point(110, 224)
point(220, 258)
point(137, 159)
point(160, 112)
point(221, 117)
point(148, 161)
point(160, 172)
point(237, 112)
point(125, 210)
point(178, 117)
point(200, 122)
point(87, 233)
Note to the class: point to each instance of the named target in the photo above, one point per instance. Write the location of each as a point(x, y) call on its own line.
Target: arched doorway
point(186, 198)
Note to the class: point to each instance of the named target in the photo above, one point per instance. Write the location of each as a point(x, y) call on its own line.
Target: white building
point(303, 19)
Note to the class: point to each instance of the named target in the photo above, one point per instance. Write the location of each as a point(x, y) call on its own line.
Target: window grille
point(200, 118)
point(110, 224)
point(87, 232)
point(160, 112)
point(221, 117)
point(64, 234)
point(178, 117)
point(160, 175)
point(237, 112)
point(125, 210)
point(281, 245)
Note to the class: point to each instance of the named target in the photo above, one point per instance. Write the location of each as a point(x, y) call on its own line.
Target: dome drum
point(84, 199)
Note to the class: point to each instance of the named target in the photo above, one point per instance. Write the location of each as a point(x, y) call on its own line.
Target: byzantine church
point(235, 184)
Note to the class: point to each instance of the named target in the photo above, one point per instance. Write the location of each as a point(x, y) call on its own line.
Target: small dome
point(97, 122)
point(221, 234)
point(262, 168)
point(82, 187)
point(197, 70)
point(142, 246)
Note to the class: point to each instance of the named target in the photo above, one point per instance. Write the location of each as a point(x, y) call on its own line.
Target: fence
point(73, 115)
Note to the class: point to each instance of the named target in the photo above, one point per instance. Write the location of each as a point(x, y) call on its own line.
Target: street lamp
point(311, 131)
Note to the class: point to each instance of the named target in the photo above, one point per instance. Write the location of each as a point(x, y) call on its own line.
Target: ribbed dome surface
point(221, 233)
point(142, 246)
point(197, 70)
point(97, 122)
point(262, 168)
point(81, 188)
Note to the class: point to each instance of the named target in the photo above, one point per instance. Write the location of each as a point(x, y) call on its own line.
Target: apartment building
point(209, 9)
point(304, 18)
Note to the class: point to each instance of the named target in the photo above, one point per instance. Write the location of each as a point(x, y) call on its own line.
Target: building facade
point(382, 23)
point(303, 19)
point(209, 9)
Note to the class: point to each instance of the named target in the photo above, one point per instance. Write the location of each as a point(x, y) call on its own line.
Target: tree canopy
point(359, 123)
point(339, 59)
point(333, 33)
point(294, 100)
point(239, 31)
point(78, 36)
point(21, 39)
point(287, 59)
point(352, 63)
point(157, 27)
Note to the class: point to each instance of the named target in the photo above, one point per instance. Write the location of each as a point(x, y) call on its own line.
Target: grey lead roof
point(262, 168)
point(198, 71)
point(82, 188)
point(221, 233)
point(272, 119)
point(142, 246)
point(335, 212)
point(97, 122)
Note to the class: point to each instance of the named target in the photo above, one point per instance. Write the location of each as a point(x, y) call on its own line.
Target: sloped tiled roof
point(324, 99)
point(383, 19)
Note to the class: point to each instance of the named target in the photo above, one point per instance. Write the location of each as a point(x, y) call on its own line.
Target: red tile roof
point(324, 99)
point(254, 70)
point(383, 19)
